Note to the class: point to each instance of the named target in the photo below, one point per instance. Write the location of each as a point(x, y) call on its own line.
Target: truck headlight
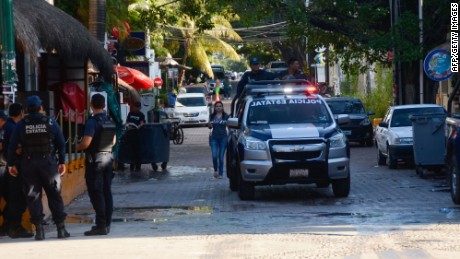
point(338, 140)
point(404, 141)
point(253, 143)
point(365, 122)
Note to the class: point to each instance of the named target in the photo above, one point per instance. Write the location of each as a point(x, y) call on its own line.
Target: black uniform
point(99, 170)
point(133, 138)
point(15, 198)
point(253, 76)
point(40, 137)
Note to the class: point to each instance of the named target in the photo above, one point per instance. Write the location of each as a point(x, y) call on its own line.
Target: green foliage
point(231, 65)
point(382, 97)
point(117, 12)
point(265, 52)
point(349, 86)
point(379, 99)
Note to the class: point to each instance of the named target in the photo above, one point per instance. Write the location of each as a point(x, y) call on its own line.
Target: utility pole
point(420, 16)
point(397, 80)
point(8, 58)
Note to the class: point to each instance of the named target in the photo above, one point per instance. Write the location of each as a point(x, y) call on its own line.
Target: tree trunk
point(187, 44)
point(96, 19)
point(409, 81)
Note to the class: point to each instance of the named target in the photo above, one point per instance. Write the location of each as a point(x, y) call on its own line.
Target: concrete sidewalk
point(147, 203)
point(151, 210)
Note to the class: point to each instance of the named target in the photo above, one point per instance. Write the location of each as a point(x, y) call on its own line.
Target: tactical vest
point(103, 138)
point(37, 135)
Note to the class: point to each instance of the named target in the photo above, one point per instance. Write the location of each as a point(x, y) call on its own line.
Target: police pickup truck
point(280, 133)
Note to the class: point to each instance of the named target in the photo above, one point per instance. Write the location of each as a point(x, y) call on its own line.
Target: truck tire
point(341, 187)
point(454, 179)
point(231, 173)
point(391, 162)
point(381, 159)
point(246, 190)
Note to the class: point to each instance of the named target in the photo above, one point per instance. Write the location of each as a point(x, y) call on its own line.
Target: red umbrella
point(134, 77)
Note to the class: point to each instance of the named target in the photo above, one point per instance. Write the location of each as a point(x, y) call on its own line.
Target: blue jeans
point(218, 147)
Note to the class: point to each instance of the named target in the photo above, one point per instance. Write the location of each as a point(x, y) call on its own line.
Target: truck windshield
point(287, 111)
point(346, 107)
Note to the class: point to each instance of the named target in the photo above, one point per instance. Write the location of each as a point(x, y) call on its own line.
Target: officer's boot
point(15, 230)
point(97, 230)
point(39, 232)
point(62, 232)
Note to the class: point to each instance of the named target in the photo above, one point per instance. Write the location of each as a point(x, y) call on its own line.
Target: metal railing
point(72, 119)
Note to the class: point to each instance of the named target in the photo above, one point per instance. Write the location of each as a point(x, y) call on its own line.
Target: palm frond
point(200, 59)
point(213, 44)
point(223, 32)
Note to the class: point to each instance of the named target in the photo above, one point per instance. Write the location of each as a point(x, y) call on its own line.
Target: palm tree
point(99, 15)
point(197, 45)
point(181, 23)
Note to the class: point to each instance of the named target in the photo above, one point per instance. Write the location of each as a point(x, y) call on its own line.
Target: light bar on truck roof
point(280, 87)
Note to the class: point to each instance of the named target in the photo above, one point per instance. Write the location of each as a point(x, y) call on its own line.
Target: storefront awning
point(134, 77)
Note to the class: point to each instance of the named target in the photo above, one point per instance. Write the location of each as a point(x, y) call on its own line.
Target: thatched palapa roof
point(40, 25)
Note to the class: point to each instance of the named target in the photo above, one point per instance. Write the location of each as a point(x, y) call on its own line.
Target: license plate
point(298, 173)
point(347, 132)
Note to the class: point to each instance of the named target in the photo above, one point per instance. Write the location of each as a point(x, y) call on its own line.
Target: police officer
point(15, 199)
point(38, 137)
point(3, 179)
point(97, 143)
point(256, 74)
point(134, 120)
point(293, 71)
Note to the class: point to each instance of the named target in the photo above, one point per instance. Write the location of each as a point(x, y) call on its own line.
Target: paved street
point(183, 212)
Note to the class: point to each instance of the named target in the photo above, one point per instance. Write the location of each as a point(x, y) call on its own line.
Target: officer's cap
point(3, 115)
point(254, 61)
point(34, 101)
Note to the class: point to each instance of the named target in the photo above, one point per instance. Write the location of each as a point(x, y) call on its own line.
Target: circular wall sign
point(437, 65)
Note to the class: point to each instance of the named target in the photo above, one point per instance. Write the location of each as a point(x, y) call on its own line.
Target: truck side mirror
point(342, 119)
point(233, 123)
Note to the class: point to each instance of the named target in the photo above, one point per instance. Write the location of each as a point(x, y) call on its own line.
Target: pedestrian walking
point(217, 90)
point(13, 186)
point(134, 120)
point(98, 140)
point(39, 138)
point(227, 87)
point(218, 138)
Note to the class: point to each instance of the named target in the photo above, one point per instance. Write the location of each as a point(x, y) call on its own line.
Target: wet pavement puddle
point(144, 214)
